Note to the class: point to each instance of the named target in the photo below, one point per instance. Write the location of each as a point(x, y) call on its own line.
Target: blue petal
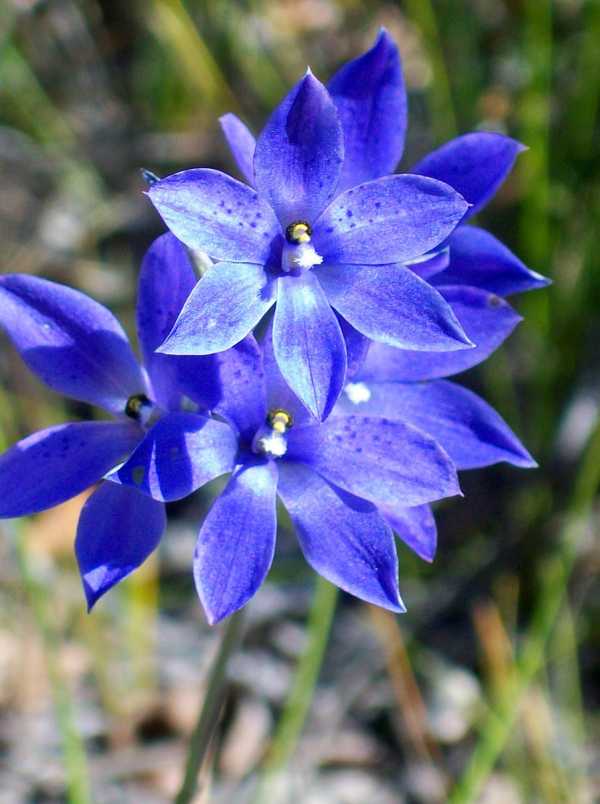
point(58, 463)
point(279, 393)
point(394, 219)
point(308, 343)
point(242, 394)
point(72, 343)
point(342, 537)
point(212, 212)
point(387, 462)
point(389, 303)
point(432, 263)
point(478, 259)
point(229, 300)
point(475, 165)
point(182, 452)
point(486, 319)
point(241, 144)
point(416, 527)
point(370, 97)
point(299, 153)
point(118, 529)
point(470, 431)
point(357, 347)
point(236, 543)
point(166, 280)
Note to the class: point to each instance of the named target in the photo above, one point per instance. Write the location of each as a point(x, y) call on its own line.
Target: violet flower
point(334, 478)
point(298, 244)
point(471, 268)
point(77, 347)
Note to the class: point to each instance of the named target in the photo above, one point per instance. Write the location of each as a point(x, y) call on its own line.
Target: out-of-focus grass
point(90, 91)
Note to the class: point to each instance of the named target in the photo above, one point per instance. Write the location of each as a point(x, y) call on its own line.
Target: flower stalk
point(302, 691)
point(210, 710)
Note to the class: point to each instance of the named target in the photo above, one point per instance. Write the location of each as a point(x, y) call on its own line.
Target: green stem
point(556, 573)
point(77, 777)
point(303, 687)
point(210, 710)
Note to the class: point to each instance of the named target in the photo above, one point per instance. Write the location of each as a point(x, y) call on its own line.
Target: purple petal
point(416, 527)
point(357, 347)
point(241, 387)
point(72, 343)
point(182, 452)
point(389, 303)
point(486, 319)
point(166, 280)
point(118, 529)
point(212, 212)
point(58, 463)
point(370, 98)
point(299, 153)
point(241, 144)
point(229, 300)
point(393, 219)
point(431, 264)
point(342, 537)
point(308, 343)
point(279, 393)
point(475, 165)
point(229, 382)
point(236, 543)
point(470, 431)
point(387, 462)
point(478, 259)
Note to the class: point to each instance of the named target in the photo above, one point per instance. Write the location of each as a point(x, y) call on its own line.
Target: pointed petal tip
point(92, 596)
point(398, 606)
point(214, 617)
point(540, 280)
point(383, 39)
point(524, 459)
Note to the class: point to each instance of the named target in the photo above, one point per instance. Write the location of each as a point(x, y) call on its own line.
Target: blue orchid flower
point(471, 269)
point(298, 244)
point(77, 347)
point(334, 478)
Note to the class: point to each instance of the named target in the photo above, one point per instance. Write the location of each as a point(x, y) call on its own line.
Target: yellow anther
point(135, 405)
point(280, 420)
point(298, 232)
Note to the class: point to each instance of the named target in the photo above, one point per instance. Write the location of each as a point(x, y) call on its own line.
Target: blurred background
point(485, 691)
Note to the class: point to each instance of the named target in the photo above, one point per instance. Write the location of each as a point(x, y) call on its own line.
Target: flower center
point(298, 252)
point(271, 439)
point(298, 232)
point(140, 409)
